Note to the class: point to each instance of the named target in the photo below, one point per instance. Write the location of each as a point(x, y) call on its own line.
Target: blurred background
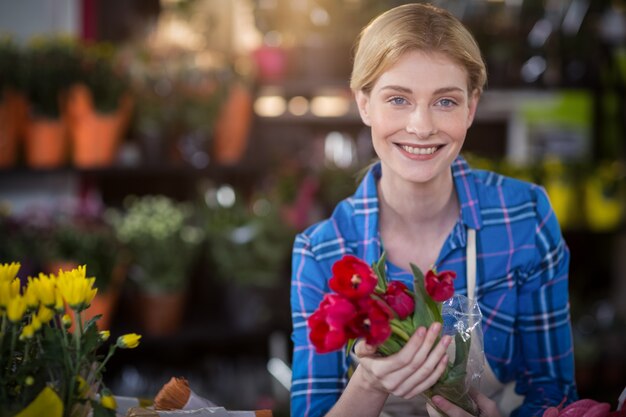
point(177, 146)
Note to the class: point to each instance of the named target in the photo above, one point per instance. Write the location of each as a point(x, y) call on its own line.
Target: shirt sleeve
point(317, 380)
point(546, 377)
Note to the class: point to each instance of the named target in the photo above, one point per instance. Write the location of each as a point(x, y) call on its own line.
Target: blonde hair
point(409, 27)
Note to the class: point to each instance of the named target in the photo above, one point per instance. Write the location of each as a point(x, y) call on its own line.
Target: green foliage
point(50, 66)
point(106, 80)
point(161, 238)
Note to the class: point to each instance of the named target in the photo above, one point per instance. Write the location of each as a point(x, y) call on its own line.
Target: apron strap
point(470, 257)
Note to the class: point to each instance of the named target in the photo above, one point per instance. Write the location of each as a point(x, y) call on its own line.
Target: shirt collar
point(365, 203)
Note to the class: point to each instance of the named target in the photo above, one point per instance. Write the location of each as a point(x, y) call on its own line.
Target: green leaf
point(427, 311)
point(379, 269)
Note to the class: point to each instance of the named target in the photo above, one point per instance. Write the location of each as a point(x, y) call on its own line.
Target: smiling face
point(419, 111)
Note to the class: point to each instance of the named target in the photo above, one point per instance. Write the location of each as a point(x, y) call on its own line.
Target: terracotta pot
point(161, 314)
point(46, 144)
point(233, 126)
point(95, 140)
point(13, 111)
point(95, 136)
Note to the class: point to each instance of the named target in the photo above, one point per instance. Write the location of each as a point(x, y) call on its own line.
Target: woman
point(417, 78)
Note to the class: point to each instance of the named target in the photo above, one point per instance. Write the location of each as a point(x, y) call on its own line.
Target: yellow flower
point(8, 290)
point(27, 332)
point(16, 309)
point(45, 288)
point(29, 380)
point(108, 401)
point(9, 271)
point(66, 320)
point(35, 323)
point(59, 305)
point(104, 335)
point(128, 341)
point(30, 294)
point(44, 315)
point(82, 388)
point(76, 288)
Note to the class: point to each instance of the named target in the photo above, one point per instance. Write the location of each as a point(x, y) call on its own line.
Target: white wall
point(23, 19)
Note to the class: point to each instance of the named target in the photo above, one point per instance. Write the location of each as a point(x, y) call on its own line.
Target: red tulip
point(399, 299)
point(328, 323)
point(440, 286)
point(372, 321)
point(353, 278)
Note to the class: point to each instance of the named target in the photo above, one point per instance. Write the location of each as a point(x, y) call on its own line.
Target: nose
point(421, 123)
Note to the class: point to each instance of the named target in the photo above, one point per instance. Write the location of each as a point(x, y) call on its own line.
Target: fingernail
point(437, 400)
point(446, 341)
point(421, 331)
point(435, 327)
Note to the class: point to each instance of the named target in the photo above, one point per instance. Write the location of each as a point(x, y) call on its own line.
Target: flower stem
point(106, 359)
point(396, 328)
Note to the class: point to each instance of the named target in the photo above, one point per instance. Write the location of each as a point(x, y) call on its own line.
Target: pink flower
point(399, 299)
point(352, 278)
point(440, 286)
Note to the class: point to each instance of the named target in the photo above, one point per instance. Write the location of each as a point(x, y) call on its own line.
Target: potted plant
point(98, 106)
point(46, 368)
point(88, 240)
point(248, 248)
point(162, 240)
point(50, 67)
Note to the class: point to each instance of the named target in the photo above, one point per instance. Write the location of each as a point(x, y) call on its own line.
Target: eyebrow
point(442, 90)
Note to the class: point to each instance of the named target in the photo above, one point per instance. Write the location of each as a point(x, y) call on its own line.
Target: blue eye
point(397, 100)
point(446, 102)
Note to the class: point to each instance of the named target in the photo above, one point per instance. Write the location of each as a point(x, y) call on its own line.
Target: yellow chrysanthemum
point(16, 309)
point(44, 287)
point(66, 320)
point(44, 314)
point(35, 323)
point(27, 332)
point(77, 290)
point(104, 335)
point(108, 401)
point(30, 294)
point(128, 341)
point(82, 388)
point(8, 291)
point(9, 271)
point(59, 305)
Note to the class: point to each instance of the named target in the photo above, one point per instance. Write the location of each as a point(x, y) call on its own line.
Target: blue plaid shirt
point(521, 286)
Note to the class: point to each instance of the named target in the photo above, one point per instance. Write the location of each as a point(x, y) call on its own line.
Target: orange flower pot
point(161, 314)
point(95, 140)
point(95, 136)
point(233, 126)
point(13, 111)
point(46, 144)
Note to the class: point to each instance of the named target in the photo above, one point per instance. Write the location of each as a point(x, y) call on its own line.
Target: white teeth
point(419, 151)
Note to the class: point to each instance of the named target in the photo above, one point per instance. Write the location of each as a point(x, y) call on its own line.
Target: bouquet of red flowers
point(386, 314)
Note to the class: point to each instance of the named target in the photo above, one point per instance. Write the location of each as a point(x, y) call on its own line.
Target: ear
point(362, 102)
point(473, 105)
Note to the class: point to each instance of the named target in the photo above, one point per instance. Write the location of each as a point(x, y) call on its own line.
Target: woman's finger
point(430, 380)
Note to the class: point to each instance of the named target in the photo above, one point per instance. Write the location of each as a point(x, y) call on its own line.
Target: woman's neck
point(415, 219)
point(424, 206)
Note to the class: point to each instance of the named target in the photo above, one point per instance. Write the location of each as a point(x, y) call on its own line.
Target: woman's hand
point(486, 407)
point(412, 370)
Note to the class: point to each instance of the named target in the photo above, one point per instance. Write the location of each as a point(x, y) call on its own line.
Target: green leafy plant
point(50, 66)
point(248, 242)
point(106, 80)
point(161, 238)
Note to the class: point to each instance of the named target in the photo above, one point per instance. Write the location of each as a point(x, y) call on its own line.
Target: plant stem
point(397, 329)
